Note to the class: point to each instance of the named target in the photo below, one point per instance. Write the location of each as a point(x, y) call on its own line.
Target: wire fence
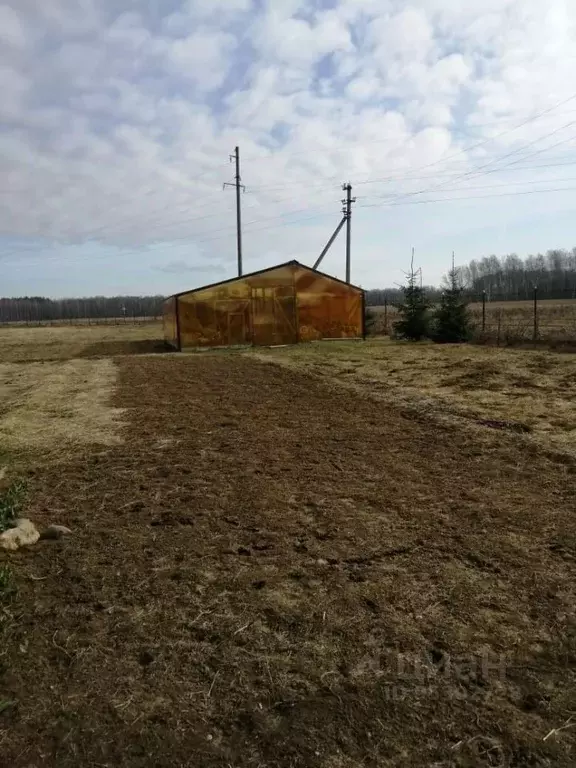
point(498, 319)
point(79, 321)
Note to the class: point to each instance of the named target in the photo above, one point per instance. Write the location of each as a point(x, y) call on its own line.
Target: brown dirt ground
point(532, 393)
point(275, 571)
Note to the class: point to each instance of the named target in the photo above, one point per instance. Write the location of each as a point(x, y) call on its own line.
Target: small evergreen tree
point(451, 323)
point(412, 310)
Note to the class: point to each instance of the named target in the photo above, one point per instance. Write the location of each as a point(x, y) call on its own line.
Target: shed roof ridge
point(292, 262)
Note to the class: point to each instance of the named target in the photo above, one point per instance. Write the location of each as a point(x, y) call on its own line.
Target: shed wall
point(258, 309)
point(170, 322)
point(282, 305)
point(327, 309)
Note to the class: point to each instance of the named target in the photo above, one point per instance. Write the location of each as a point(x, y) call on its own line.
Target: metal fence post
point(385, 315)
point(483, 311)
point(535, 330)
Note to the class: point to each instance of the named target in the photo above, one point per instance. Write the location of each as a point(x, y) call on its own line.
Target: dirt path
point(271, 572)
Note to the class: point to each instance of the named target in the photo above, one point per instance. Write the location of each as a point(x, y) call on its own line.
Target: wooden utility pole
point(348, 216)
point(239, 186)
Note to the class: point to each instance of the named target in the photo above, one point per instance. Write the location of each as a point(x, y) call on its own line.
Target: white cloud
point(183, 21)
point(12, 32)
point(119, 117)
point(365, 87)
point(297, 42)
point(13, 86)
point(405, 35)
point(202, 57)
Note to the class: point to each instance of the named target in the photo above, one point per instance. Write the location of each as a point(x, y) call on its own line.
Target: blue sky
point(455, 122)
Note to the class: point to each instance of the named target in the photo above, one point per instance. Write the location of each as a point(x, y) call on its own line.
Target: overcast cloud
point(118, 117)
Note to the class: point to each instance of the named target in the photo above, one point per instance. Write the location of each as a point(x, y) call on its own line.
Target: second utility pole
point(238, 184)
point(348, 215)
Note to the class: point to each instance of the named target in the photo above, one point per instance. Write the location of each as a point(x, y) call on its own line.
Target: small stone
point(321, 561)
point(55, 532)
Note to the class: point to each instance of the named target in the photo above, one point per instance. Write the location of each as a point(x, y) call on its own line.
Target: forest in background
point(505, 278)
point(33, 309)
point(512, 278)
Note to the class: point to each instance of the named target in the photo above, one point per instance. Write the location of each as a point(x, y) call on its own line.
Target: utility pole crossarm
point(239, 186)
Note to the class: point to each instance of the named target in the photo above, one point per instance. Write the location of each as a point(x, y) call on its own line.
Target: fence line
point(78, 322)
point(538, 320)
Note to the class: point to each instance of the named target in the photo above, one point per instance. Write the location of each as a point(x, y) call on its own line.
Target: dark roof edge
point(292, 262)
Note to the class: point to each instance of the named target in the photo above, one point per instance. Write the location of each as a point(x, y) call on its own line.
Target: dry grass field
point(512, 321)
point(23, 344)
point(49, 405)
point(336, 555)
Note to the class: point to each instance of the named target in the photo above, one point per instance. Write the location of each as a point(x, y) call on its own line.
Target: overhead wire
point(533, 118)
point(471, 147)
point(482, 186)
point(393, 204)
point(148, 250)
point(199, 241)
point(528, 120)
point(473, 172)
point(479, 170)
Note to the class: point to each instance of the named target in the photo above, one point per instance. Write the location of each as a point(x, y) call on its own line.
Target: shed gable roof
point(291, 263)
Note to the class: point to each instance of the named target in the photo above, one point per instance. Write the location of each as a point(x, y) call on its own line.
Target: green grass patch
point(5, 579)
point(6, 705)
point(11, 502)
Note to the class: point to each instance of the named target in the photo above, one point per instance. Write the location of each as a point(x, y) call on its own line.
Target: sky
point(455, 122)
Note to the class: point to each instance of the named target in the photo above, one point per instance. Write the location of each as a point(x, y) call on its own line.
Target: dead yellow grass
point(64, 343)
point(57, 405)
point(532, 393)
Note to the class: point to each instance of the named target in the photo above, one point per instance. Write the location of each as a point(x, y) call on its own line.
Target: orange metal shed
point(280, 305)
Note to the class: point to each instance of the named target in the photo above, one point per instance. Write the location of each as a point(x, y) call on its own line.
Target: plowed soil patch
point(272, 572)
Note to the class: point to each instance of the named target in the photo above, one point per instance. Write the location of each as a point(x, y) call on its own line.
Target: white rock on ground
point(23, 534)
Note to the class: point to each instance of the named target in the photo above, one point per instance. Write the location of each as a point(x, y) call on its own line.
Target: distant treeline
point(377, 297)
point(505, 278)
point(511, 277)
point(502, 278)
point(31, 309)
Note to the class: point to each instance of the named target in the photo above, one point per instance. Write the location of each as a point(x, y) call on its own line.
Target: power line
point(465, 150)
point(471, 197)
point(527, 121)
point(483, 186)
point(103, 228)
point(479, 169)
point(533, 118)
point(143, 252)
